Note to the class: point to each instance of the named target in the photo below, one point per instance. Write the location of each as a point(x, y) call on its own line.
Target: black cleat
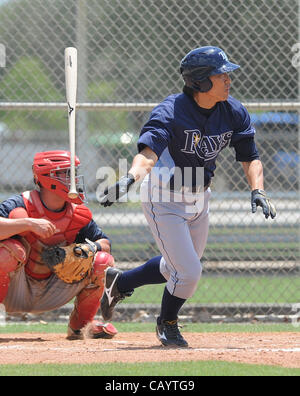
point(169, 335)
point(111, 295)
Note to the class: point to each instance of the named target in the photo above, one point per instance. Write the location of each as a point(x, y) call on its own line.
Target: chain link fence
point(129, 53)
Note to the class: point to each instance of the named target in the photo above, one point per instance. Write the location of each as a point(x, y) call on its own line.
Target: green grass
point(192, 368)
point(11, 328)
point(236, 251)
point(224, 243)
point(253, 230)
point(113, 231)
point(230, 289)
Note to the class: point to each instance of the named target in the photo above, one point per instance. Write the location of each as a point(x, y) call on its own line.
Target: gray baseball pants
point(26, 294)
point(180, 230)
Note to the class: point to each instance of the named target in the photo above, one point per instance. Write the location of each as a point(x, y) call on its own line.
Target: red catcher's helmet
point(51, 170)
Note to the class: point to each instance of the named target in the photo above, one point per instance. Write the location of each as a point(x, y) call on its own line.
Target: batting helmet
point(47, 167)
point(200, 63)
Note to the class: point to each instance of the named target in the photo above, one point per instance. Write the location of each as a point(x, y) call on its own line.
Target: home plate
point(120, 342)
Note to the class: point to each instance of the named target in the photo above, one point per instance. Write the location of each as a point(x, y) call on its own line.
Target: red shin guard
point(4, 284)
point(86, 306)
point(12, 254)
point(88, 300)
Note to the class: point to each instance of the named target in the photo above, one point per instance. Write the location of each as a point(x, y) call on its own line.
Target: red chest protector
point(68, 223)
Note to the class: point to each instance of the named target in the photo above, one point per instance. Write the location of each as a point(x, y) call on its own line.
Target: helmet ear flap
point(203, 86)
point(198, 78)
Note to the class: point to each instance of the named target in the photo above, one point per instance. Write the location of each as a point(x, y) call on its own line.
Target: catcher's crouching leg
point(88, 302)
point(12, 255)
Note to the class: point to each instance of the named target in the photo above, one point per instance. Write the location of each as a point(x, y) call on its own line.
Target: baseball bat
point(71, 94)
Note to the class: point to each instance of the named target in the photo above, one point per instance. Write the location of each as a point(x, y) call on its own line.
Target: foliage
point(140, 45)
point(29, 79)
point(105, 122)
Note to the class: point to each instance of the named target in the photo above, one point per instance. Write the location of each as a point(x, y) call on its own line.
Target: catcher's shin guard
point(12, 254)
point(88, 300)
point(4, 284)
point(86, 306)
point(102, 261)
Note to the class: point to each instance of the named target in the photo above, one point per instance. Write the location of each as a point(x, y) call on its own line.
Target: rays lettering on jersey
point(206, 147)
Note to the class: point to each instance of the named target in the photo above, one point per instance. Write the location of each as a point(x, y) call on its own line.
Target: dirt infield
point(278, 349)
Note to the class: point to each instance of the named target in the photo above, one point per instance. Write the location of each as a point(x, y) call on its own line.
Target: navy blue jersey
point(183, 136)
point(91, 231)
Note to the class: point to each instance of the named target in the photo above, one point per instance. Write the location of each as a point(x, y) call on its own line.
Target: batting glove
point(118, 190)
point(259, 198)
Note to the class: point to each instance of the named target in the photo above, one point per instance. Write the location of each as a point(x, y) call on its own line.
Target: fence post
point(2, 55)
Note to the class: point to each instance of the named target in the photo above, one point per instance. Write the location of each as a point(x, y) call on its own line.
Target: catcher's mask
point(200, 63)
point(51, 170)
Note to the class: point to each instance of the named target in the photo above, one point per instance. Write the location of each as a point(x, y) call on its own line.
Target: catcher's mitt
point(72, 263)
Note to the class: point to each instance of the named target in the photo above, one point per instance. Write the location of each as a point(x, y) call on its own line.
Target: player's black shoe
point(111, 295)
point(169, 335)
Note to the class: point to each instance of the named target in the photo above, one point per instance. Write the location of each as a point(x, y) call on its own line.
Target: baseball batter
point(186, 131)
point(35, 221)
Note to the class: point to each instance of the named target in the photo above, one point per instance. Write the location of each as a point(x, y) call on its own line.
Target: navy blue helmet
point(200, 63)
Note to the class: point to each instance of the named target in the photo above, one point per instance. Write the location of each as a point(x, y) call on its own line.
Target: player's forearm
point(143, 163)
point(10, 227)
point(254, 173)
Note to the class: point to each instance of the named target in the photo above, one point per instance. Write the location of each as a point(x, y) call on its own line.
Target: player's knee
point(192, 290)
point(102, 261)
point(12, 254)
point(194, 271)
point(190, 279)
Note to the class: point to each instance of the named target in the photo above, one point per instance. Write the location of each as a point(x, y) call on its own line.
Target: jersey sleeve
point(241, 123)
point(10, 204)
point(92, 232)
point(243, 133)
point(156, 133)
point(246, 150)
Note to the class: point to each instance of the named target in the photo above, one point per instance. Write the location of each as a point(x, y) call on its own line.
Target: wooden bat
point(71, 94)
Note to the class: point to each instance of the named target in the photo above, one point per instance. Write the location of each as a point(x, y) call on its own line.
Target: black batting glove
point(259, 198)
point(118, 190)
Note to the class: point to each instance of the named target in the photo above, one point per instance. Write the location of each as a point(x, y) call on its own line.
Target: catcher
point(51, 250)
